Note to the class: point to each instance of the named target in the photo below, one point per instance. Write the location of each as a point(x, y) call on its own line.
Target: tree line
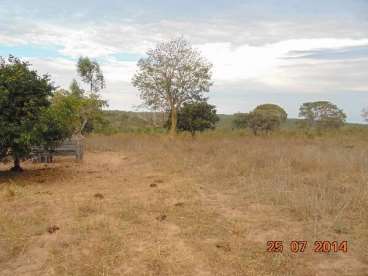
point(173, 78)
point(320, 115)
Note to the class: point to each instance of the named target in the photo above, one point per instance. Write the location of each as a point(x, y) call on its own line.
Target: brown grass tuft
point(217, 200)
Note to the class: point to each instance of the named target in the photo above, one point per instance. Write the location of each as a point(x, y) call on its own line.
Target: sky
point(277, 51)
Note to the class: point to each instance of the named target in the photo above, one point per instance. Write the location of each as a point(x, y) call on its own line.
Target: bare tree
point(172, 74)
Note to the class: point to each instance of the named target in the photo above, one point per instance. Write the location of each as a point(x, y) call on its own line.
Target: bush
point(197, 116)
point(264, 118)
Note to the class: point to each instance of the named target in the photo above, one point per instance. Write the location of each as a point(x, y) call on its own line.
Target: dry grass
point(149, 205)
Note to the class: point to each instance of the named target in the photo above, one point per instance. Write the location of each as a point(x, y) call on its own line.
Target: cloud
point(249, 62)
point(62, 70)
point(261, 50)
point(321, 76)
point(115, 70)
point(108, 37)
point(345, 53)
point(119, 92)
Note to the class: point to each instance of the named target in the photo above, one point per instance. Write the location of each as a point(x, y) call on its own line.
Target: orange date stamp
point(303, 246)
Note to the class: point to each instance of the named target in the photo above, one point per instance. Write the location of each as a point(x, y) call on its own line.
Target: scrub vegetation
point(208, 199)
point(143, 204)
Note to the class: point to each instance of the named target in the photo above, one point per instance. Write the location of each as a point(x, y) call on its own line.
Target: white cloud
point(108, 37)
point(115, 71)
point(245, 56)
point(259, 64)
point(119, 92)
point(320, 77)
point(256, 62)
point(62, 71)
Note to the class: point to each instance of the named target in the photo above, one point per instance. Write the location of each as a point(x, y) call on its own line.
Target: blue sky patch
point(30, 51)
point(127, 56)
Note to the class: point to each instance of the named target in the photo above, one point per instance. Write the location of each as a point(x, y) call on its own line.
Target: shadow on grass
point(35, 173)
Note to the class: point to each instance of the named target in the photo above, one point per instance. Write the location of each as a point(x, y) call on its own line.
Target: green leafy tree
point(81, 112)
point(76, 90)
point(52, 128)
point(24, 94)
point(3, 140)
point(240, 120)
point(172, 74)
point(91, 113)
point(273, 109)
point(91, 74)
point(266, 118)
point(322, 115)
point(197, 116)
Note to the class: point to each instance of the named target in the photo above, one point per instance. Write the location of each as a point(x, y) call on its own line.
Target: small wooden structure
point(68, 147)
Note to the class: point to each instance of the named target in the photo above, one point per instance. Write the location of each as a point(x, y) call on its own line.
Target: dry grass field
point(149, 205)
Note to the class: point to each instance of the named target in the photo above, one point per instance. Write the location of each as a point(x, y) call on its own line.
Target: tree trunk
point(17, 167)
point(85, 121)
point(173, 121)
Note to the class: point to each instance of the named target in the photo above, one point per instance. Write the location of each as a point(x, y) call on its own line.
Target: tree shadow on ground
point(35, 174)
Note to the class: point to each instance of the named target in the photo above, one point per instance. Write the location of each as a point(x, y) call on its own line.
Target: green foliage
point(52, 128)
point(262, 122)
point(172, 74)
point(31, 115)
point(264, 118)
point(153, 122)
point(75, 89)
point(322, 115)
point(129, 121)
point(91, 74)
point(240, 120)
point(23, 97)
point(197, 116)
point(80, 113)
point(272, 110)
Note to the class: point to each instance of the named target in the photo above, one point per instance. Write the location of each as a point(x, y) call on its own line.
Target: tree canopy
point(32, 114)
point(322, 115)
point(240, 120)
point(81, 112)
point(172, 74)
point(24, 95)
point(91, 74)
point(196, 116)
point(272, 110)
point(264, 118)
